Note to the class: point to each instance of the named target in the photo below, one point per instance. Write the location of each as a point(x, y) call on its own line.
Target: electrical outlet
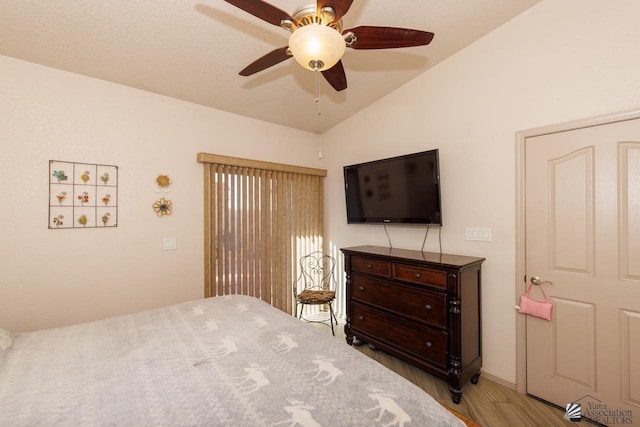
point(477, 234)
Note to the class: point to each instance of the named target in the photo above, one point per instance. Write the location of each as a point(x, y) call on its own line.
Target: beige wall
point(560, 60)
point(56, 277)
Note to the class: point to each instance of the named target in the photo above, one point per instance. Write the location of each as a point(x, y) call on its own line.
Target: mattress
point(224, 361)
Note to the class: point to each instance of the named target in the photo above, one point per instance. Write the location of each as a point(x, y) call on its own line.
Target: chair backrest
point(317, 273)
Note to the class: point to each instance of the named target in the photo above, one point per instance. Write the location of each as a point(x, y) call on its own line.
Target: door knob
point(535, 280)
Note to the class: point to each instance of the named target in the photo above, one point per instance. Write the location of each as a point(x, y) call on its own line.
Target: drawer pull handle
point(360, 317)
point(369, 266)
point(428, 344)
point(361, 288)
point(417, 275)
point(428, 307)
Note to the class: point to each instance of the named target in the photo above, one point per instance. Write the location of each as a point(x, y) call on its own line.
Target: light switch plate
point(169, 243)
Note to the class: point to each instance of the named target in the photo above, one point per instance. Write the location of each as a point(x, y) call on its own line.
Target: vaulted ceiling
point(194, 50)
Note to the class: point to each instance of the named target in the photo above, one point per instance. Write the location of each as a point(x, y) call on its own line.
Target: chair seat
point(316, 297)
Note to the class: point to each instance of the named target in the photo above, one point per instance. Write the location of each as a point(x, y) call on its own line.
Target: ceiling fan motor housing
point(308, 14)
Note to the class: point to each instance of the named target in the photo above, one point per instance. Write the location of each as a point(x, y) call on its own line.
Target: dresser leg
point(456, 395)
point(347, 334)
point(455, 373)
point(475, 378)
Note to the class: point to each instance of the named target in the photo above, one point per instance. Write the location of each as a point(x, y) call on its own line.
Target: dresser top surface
point(407, 254)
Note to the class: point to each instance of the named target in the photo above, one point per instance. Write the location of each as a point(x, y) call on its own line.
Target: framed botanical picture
point(82, 195)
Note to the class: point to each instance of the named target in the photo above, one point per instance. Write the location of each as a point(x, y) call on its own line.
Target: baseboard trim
point(498, 380)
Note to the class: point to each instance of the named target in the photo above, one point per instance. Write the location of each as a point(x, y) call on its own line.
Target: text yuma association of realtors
point(601, 413)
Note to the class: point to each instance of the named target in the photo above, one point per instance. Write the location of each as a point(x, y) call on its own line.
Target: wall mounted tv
point(403, 189)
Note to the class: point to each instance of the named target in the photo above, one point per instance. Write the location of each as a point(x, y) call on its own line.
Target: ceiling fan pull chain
point(317, 97)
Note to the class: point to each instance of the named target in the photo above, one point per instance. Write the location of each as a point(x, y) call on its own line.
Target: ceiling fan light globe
point(316, 45)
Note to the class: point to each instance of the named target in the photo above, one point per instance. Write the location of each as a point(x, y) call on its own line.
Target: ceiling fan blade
point(368, 37)
point(340, 7)
point(269, 60)
point(262, 10)
point(336, 76)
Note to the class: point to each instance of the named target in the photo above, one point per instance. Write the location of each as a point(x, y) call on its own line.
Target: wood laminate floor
point(489, 403)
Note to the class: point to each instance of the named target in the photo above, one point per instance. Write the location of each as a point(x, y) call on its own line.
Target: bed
point(224, 361)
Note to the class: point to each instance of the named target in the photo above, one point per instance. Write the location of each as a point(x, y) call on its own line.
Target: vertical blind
point(260, 218)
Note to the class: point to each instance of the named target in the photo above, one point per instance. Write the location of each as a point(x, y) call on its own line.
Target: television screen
point(404, 189)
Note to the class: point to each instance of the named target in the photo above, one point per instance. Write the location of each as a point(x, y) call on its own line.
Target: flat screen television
point(403, 189)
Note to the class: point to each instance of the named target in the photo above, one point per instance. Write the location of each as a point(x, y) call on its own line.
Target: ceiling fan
point(317, 41)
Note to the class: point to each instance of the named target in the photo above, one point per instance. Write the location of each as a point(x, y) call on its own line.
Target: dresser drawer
point(420, 340)
point(419, 304)
point(371, 266)
point(420, 275)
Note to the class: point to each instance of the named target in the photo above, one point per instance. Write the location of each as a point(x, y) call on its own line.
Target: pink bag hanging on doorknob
point(530, 306)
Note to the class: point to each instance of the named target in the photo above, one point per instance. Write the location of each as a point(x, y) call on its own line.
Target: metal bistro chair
point(316, 285)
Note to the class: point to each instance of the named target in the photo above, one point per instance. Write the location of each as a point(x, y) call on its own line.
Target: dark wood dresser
point(422, 307)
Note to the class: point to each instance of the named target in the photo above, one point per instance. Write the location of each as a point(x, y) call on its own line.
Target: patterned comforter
point(225, 361)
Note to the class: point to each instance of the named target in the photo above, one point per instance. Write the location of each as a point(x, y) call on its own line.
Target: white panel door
point(583, 242)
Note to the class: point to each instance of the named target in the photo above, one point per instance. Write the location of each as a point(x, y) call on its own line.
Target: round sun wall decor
point(162, 207)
